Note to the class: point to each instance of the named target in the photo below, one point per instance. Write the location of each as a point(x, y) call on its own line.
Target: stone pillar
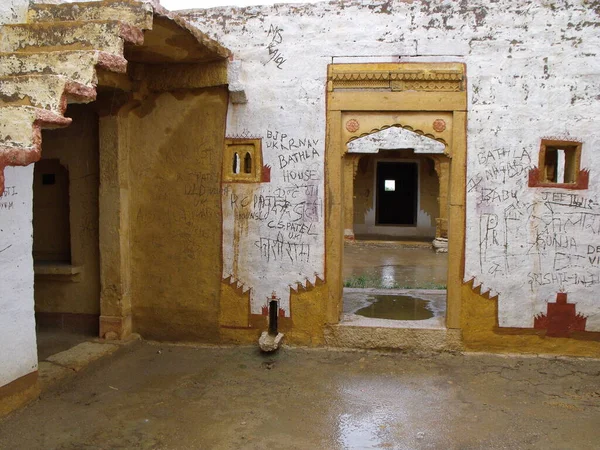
point(350, 167)
point(442, 168)
point(115, 268)
point(456, 220)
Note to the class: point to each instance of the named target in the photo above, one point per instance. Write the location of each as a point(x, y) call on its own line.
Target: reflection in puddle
point(396, 307)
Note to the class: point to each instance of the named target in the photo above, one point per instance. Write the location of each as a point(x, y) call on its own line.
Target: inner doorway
point(397, 193)
point(390, 264)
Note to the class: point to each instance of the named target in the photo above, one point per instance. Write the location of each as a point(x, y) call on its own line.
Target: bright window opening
point(236, 163)
point(389, 185)
point(560, 162)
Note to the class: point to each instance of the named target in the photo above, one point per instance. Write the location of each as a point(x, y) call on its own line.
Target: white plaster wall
point(18, 350)
point(533, 71)
point(13, 11)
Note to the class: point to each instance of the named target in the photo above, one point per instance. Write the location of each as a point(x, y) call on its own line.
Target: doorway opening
point(66, 234)
point(391, 261)
point(397, 193)
point(409, 110)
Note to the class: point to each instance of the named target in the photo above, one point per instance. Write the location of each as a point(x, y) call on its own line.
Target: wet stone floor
point(394, 308)
point(156, 396)
point(401, 265)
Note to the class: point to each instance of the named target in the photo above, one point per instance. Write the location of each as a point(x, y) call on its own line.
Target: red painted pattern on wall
point(560, 318)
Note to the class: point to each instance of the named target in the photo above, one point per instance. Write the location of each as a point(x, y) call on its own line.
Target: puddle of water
point(396, 307)
point(360, 433)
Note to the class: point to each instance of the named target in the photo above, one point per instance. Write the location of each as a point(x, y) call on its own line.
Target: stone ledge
point(81, 355)
point(57, 271)
point(66, 364)
point(50, 374)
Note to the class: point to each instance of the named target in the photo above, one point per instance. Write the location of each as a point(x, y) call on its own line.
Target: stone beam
point(169, 77)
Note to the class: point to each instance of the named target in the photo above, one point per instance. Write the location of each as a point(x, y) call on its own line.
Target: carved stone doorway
point(428, 99)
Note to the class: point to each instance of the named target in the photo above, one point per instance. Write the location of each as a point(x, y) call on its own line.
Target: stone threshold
point(63, 365)
point(401, 339)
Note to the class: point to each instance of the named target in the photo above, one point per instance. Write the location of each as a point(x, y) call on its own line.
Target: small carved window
point(561, 163)
point(243, 161)
point(559, 166)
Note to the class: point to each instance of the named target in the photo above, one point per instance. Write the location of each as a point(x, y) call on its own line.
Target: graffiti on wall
point(7, 203)
point(273, 232)
point(536, 242)
point(275, 56)
point(7, 200)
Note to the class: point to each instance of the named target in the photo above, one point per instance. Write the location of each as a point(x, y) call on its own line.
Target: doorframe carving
point(362, 98)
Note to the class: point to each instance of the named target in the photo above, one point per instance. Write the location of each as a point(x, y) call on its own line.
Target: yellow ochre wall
point(175, 157)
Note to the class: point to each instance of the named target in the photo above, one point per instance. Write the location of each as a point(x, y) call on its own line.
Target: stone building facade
point(231, 156)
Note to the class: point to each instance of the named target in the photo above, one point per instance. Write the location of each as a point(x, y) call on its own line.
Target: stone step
point(131, 12)
point(393, 338)
point(20, 132)
point(107, 36)
point(50, 92)
point(77, 65)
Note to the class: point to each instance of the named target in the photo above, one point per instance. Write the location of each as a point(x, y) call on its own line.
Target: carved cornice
point(435, 80)
point(440, 80)
point(361, 80)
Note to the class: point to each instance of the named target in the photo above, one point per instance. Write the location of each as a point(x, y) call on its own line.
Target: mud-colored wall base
point(18, 393)
point(482, 333)
point(114, 327)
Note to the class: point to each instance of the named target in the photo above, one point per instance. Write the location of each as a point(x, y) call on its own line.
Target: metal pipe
point(273, 310)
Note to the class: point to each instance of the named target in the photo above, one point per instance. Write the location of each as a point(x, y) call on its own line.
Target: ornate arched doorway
point(428, 99)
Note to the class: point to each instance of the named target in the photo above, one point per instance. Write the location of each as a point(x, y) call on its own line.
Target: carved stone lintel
point(450, 80)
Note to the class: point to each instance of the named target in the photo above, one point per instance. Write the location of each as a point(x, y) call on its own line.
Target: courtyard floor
point(394, 264)
point(158, 396)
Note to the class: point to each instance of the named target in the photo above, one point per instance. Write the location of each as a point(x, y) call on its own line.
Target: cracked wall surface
point(532, 72)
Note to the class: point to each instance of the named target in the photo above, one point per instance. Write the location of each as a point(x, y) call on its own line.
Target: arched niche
point(393, 138)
